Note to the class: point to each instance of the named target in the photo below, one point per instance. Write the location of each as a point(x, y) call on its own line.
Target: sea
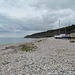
point(14, 40)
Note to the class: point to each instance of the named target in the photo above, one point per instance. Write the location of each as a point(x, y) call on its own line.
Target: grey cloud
point(40, 15)
point(56, 4)
point(46, 22)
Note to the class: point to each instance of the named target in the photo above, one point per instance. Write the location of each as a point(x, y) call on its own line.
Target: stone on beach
point(52, 56)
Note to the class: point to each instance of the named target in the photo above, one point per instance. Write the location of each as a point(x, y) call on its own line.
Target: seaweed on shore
point(29, 48)
point(24, 47)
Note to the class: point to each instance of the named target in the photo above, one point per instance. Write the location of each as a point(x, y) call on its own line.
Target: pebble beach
point(51, 57)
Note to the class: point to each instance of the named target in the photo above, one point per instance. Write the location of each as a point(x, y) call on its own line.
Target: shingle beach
point(51, 57)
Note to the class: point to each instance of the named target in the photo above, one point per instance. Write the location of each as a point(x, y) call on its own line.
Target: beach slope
point(50, 57)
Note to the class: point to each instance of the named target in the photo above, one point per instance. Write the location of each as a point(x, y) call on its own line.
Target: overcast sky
point(23, 17)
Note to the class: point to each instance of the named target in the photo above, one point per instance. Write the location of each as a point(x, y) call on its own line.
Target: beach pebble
point(51, 57)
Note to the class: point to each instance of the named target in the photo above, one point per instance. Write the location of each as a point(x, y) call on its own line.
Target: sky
point(24, 17)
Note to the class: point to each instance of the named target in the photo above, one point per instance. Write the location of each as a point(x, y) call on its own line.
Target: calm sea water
point(14, 40)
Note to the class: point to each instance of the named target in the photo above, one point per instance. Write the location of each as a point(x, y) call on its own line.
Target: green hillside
point(50, 33)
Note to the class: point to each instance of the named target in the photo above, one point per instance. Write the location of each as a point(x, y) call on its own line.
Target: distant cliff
point(50, 33)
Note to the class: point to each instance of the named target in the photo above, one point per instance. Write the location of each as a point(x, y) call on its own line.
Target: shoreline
point(4, 41)
point(52, 56)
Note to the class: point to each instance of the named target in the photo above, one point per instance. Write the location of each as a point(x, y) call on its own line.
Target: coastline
point(52, 56)
point(14, 40)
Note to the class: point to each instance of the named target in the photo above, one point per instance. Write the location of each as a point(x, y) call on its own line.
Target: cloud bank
point(23, 17)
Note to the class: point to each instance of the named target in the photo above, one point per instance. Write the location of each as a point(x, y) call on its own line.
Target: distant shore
point(51, 56)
